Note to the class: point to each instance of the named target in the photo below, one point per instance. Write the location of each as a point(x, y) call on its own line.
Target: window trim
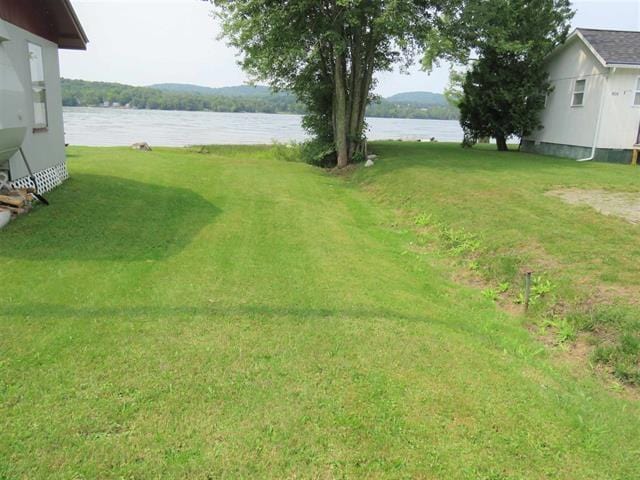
point(636, 93)
point(574, 93)
point(38, 127)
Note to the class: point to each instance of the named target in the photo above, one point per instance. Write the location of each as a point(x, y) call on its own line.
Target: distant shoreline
point(135, 109)
point(241, 99)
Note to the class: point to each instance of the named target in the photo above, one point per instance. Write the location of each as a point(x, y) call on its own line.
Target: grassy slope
point(590, 259)
point(502, 198)
point(183, 315)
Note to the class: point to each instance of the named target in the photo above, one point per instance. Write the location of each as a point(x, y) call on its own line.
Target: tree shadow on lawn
point(493, 328)
point(95, 217)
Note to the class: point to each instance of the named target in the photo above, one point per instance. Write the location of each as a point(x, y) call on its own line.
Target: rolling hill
point(234, 91)
point(240, 99)
point(417, 99)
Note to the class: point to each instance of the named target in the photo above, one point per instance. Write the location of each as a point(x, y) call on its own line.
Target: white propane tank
point(13, 125)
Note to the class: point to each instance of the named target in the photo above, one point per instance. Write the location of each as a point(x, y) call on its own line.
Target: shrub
point(318, 153)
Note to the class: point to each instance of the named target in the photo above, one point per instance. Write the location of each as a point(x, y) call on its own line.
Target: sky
point(142, 42)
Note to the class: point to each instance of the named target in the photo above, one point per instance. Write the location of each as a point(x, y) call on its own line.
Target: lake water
point(114, 127)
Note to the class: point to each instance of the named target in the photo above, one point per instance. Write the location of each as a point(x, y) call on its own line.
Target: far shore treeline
point(245, 99)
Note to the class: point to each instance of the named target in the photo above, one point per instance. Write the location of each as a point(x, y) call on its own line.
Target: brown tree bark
point(340, 111)
point(501, 141)
point(361, 77)
point(354, 113)
point(366, 80)
point(353, 76)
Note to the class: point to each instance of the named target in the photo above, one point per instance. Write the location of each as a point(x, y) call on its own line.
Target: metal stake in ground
point(527, 289)
point(33, 179)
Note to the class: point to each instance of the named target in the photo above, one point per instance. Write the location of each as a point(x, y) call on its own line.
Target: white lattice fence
point(47, 179)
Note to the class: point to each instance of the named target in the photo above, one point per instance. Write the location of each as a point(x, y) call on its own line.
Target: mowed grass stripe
point(184, 315)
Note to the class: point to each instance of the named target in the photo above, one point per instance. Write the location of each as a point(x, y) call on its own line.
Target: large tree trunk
point(354, 111)
point(366, 80)
point(361, 78)
point(353, 75)
point(355, 95)
point(340, 112)
point(501, 141)
point(357, 119)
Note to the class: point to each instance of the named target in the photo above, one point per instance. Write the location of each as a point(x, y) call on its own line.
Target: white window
point(636, 97)
point(578, 93)
point(38, 87)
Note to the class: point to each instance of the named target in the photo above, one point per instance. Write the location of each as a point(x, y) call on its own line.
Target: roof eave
point(624, 65)
point(73, 43)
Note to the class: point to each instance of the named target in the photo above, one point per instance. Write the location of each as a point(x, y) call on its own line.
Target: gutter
point(599, 121)
point(633, 66)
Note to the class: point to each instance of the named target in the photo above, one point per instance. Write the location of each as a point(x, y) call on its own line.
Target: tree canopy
point(504, 89)
point(327, 52)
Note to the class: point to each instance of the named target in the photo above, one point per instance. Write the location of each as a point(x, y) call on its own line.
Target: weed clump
point(616, 331)
point(288, 152)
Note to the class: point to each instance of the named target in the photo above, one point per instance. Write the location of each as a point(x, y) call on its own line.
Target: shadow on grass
point(493, 330)
point(95, 217)
point(154, 312)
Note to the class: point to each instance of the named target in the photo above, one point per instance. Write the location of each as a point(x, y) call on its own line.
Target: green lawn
point(491, 212)
point(231, 314)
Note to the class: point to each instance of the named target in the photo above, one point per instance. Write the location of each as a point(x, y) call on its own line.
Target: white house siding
point(620, 118)
point(564, 124)
point(45, 149)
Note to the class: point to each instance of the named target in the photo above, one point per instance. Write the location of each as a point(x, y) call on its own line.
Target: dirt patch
point(576, 357)
point(577, 352)
point(625, 205)
point(607, 294)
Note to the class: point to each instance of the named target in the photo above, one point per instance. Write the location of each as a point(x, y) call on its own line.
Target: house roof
point(70, 32)
point(54, 20)
point(613, 47)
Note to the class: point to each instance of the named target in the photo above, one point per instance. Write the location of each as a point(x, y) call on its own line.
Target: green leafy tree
point(503, 91)
point(453, 92)
point(326, 52)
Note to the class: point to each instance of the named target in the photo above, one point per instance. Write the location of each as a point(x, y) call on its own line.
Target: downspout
point(599, 121)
